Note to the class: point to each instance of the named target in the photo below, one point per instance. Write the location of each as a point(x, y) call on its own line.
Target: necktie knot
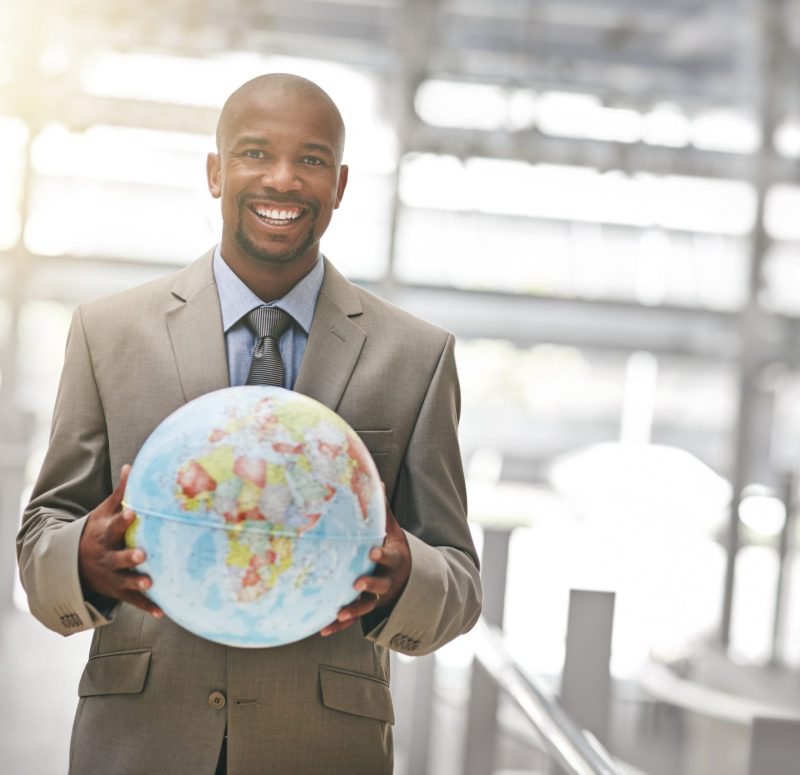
point(268, 321)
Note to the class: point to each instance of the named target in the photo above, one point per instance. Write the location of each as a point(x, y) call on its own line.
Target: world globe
point(256, 508)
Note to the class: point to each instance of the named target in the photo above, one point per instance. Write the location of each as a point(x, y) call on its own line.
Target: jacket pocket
point(356, 693)
point(120, 672)
point(378, 442)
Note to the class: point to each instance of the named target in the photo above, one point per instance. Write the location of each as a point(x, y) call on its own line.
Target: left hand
point(387, 583)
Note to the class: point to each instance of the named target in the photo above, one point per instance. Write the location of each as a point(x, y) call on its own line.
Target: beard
point(275, 255)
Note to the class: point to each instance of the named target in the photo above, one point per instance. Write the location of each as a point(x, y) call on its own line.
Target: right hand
point(106, 566)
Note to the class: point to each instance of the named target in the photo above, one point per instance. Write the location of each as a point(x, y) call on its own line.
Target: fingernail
point(144, 584)
point(361, 586)
point(344, 616)
point(138, 556)
point(324, 633)
point(375, 554)
point(158, 614)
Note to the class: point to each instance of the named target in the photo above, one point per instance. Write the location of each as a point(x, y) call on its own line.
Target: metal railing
point(575, 750)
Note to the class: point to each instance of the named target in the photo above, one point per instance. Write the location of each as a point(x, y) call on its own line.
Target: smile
point(277, 216)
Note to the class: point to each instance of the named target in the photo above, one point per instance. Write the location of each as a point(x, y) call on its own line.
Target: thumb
point(392, 525)
point(118, 494)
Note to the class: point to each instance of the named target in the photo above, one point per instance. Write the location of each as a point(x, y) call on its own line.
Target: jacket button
point(216, 700)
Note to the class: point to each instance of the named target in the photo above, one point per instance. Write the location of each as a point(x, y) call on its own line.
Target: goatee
point(270, 256)
point(275, 256)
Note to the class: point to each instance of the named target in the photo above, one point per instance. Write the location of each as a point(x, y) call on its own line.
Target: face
point(278, 177)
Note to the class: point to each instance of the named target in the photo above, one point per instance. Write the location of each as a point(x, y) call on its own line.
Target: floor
point(40, 672)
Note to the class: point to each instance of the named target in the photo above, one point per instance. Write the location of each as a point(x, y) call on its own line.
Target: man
point(153, 697)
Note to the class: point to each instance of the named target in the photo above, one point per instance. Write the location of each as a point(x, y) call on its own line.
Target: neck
point(271, 281)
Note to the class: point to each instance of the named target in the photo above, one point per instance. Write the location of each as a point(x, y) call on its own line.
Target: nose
point(280, 175)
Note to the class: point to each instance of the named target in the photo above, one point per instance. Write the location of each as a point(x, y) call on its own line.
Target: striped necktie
point(268, 324)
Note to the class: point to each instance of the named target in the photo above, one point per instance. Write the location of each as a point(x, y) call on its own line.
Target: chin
point(266, 254)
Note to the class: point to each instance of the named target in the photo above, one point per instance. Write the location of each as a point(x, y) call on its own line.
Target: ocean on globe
point(257, 508)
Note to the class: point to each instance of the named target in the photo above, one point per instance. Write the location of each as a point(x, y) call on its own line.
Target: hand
point(387, 582)
point(105, 564)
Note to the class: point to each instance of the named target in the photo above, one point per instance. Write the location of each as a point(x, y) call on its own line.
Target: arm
point(427, 575)
point(64, 533)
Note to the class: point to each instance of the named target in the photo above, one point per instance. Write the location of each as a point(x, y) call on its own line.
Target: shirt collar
point(236, 299)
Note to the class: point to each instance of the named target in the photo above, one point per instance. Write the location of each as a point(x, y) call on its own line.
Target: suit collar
point(198, 341)
point(340, 291)
point(195, 330)
point(334, 342)
point(194, 278)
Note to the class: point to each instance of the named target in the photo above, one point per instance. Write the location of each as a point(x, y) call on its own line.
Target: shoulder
point(403, 322)
point(155, 296)
point(380, 319)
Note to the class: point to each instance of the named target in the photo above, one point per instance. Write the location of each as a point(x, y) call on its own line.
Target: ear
point(213, 174)
point(343, 172)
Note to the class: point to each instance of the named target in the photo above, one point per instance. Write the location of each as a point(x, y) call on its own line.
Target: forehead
point(279, 116)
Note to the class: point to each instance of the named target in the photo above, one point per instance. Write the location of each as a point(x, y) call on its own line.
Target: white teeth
point(277, 215)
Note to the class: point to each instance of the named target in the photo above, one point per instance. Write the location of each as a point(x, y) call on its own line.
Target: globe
point(257, 508)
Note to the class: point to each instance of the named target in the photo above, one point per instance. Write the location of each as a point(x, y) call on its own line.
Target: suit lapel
point(334, 342)
point(194, 323)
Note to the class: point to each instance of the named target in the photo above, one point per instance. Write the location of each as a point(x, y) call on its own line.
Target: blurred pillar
point(14, 450)
point(774, 746)
point(421, 719)
point(417, 38)
point(767, 23)
point(26, 102)
point(481, 735)
point(785, 546)
point(586, 679)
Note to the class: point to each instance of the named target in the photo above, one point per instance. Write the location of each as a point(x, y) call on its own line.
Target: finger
point(335, 627)
point(385, 556)
point(126, 559)
point(115, 532)
point(374, 585)
point(115, 501)
point(129, 581)
point(143, 603)
point(362, 605)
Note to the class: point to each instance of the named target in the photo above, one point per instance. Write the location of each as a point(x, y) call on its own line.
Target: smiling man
point(280, 176)
point(153, 697)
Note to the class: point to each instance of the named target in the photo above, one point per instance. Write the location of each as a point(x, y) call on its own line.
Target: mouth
point(276, 215)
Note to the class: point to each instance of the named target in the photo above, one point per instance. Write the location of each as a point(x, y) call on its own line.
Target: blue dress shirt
point(236, 300)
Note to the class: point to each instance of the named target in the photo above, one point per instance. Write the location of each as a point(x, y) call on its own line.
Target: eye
point(314, 160)
point(254, 153)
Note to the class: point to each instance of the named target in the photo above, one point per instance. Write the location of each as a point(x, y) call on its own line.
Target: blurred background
point(600, 198)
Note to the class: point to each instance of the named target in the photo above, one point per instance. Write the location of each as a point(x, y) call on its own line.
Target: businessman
point(153, 697)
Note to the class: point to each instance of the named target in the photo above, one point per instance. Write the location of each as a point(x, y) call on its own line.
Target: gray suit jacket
point(155, 698)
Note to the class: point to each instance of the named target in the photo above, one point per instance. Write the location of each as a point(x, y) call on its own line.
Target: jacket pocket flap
point(122, 672)
point(378, 442)
point(361, 695)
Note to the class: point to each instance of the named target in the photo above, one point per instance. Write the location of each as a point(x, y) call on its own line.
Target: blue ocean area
point(213, 600)
point(201, 555)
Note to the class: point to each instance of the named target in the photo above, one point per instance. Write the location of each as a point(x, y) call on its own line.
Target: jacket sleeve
point(74, 479)
point(442, 598)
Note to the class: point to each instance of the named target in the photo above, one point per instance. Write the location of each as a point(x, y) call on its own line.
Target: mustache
point(275, 198)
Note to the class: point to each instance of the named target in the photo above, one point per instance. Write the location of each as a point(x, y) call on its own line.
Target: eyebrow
point(255, 140)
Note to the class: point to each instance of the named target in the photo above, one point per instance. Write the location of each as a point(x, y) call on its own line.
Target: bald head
point(279, 92)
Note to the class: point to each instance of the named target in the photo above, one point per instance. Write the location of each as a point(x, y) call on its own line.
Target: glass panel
point(120, 193)
point(570, 259)
point(13, 140)
point(41, 339)
point(357, 239)
point(641, 519)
